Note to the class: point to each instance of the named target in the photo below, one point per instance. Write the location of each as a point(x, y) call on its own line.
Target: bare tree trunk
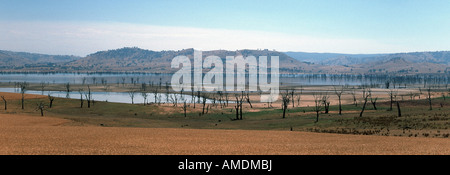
point(81, 101)
point(41, 108)
point(240, 109)
point(429, 98)
point(284, 111)
point(22, 100)
point(204, 104)
point(292, 97)
point(4, 100)
point(185, 108)
point(131, 94)
point(398, 108)
point(50, 98)
point(364, 106)
point(317, 116)
point(67, 90)
point(237, 108)
point(340, 105)
point(374, 103)
point(248, 100)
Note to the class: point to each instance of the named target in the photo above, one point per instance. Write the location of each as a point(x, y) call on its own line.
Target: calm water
point(117, 97)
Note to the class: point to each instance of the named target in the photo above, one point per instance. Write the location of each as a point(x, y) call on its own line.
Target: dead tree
point(292, 97)
point(155, 93)
point(174, 99)
point(220, 93)
point(81, 97)
point(185, 106)
point(88, 96)
point(227, 98)
point(68, 90)
point(391, 94)
point(339, 94)
point(131, 94)
point(4, 100)
point(364, 105)
point(355, 102)
point(51, 99)
point(23, 88)
point(374, 102)
point(248, 99)
point(41, 107)
point(429, 97)
point(411, 96)
point(285, 102)
point(326, 103)
point(144, 95)
point(204, 98)
point(317, 106)
point(237, 108)
point(298, 98)
point(42, 85)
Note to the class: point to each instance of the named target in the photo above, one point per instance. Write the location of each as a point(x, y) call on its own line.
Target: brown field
point(22, 134)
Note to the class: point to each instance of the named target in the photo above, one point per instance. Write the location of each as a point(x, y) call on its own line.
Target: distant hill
point(140, 60)
point(133, 59)
point(331, 58)
point(24, 60)
point(403, 66)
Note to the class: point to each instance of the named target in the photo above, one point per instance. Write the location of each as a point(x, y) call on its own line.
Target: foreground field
point(21, 134)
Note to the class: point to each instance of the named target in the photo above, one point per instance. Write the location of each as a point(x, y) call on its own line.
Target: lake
point(117, 97)
point(285, 79)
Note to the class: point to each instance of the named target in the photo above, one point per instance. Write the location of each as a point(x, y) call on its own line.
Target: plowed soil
point(30, 135)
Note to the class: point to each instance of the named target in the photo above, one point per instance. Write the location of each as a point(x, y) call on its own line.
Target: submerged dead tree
point(144, 95)
point(131, 94)
point(68, 90)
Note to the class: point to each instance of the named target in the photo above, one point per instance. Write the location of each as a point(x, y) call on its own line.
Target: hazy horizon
point(350, 27)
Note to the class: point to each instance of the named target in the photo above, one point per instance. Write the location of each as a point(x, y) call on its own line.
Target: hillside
point(140, 60)
point(23, 60)
point(441, 57)
point(403, 65)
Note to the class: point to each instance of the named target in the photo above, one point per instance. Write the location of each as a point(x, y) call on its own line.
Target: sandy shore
point(21, 134)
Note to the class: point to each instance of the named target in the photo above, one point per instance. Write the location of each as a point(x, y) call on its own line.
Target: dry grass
point(21, 134)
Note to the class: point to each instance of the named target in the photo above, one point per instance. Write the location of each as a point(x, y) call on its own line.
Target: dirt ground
point(30, 135)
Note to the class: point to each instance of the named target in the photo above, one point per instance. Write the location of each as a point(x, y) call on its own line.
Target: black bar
point(279, 164)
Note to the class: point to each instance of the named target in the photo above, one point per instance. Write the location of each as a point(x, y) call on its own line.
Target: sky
point(341, 26)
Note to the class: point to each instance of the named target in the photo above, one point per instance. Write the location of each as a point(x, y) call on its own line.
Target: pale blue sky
point(397, 25)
